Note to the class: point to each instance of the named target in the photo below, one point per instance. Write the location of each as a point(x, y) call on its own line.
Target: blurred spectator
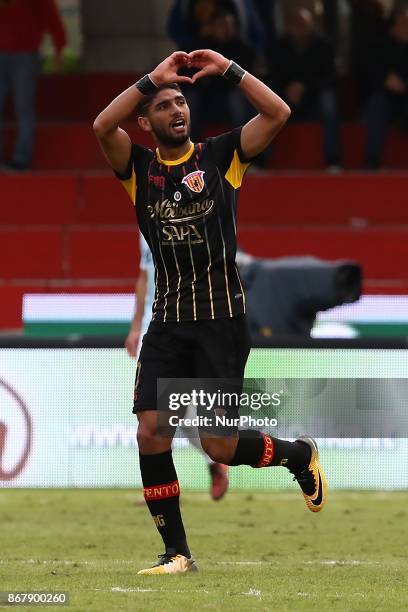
point(267, 16)
point(331, 21)
point(368, 32)
point(383, 80)
point(303, 72)
point(22, 26)
point(190, 20)
point(216, 99)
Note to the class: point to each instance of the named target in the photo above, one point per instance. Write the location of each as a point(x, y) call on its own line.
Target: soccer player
point(144, 294)
point(185, 197)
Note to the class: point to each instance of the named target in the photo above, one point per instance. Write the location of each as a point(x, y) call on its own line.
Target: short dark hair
point(146, 101)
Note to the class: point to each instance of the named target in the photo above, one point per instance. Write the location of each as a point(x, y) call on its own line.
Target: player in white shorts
point(144, 293)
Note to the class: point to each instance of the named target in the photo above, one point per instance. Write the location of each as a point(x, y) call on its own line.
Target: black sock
point(161, 492)
point(259, 450)
point(250, 448)
point(293, 455)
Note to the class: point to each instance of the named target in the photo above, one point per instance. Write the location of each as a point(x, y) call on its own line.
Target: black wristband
point(234, 73)
point(145, 85)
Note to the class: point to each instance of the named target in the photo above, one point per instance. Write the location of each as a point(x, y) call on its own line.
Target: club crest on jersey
point(194, 181)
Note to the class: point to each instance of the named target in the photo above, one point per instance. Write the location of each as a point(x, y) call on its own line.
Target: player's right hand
point(167, 70)
point(209, 63)
point(132, 342)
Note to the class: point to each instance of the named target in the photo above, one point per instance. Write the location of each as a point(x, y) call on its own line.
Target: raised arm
point(273, 111)
point(113, 140)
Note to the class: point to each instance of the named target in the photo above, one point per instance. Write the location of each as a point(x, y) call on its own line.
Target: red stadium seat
point(104, 200)
point(38, 200)
point(382, 252)
point(31, 253)
point(70, 226)
point(103, 253)
point(72, 146)
point(303, 199)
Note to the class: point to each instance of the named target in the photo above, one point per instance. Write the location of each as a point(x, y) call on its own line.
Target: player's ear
point(144, 124)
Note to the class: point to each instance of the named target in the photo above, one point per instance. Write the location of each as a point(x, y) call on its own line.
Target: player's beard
point(165, 137)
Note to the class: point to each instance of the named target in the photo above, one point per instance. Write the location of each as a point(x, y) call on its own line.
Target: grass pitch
point(256, 551)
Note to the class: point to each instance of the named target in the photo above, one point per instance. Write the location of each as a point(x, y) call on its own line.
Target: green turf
point(256, 551)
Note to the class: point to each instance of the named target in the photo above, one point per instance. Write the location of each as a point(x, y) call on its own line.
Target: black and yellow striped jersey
point(186, 210)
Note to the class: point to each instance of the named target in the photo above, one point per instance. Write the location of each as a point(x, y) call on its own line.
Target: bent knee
point(150, 438)
point(147, 428)
point(146, 435)
point(218, 450)
point(217, 456)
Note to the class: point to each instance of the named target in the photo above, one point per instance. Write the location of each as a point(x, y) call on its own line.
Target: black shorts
point(216, 348)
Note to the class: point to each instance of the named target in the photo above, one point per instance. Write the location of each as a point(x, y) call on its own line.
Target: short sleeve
point(226, 152)
point(138, 162)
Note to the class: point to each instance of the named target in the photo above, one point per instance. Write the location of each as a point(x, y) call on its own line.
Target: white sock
point(196, 442)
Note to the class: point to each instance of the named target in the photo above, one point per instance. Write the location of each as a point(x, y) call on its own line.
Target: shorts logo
point(136, 394)
point(194, 181)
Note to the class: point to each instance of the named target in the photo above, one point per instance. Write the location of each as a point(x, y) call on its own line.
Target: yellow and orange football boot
point(311, 479)
point(171, 564)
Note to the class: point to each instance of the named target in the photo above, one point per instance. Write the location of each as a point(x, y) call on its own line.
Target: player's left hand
point(210, 63)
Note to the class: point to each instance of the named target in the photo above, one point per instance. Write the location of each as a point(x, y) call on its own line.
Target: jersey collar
point(175, 162)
